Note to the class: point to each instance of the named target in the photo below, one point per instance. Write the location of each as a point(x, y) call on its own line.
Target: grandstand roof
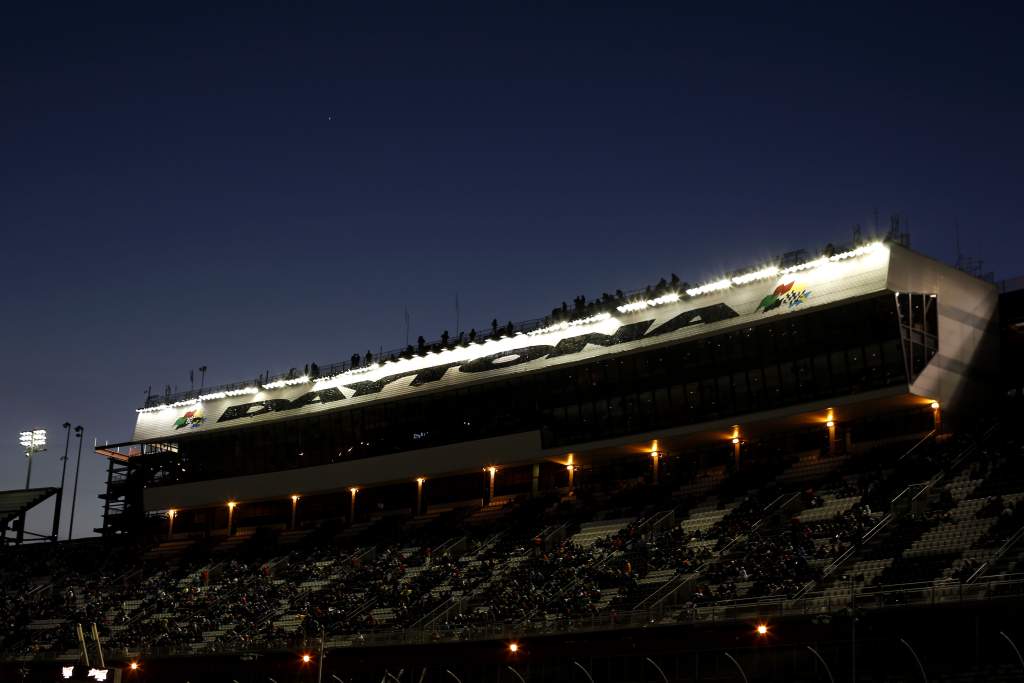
point(15, 503)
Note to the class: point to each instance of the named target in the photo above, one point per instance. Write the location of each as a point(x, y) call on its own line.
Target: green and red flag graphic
point(191, 419)
point(790, 294)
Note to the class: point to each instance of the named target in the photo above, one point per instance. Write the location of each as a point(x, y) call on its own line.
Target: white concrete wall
point(967, 359)
point(428, 462)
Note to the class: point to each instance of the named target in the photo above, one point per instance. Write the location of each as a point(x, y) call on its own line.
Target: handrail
point(656, 599)
point(655, 521)
point(442, 609)
point(888, 518)
point(1003, 549)
point(913, 448)
point(875, 597)
point(483, 334)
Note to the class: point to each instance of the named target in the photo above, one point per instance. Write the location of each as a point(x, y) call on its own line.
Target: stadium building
point(872, 331)
point(801, 470)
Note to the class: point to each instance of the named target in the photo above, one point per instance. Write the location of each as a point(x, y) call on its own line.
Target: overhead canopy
point(15, 503)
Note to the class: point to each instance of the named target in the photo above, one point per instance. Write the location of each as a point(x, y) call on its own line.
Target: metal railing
point(895, 596)
point(483, 334)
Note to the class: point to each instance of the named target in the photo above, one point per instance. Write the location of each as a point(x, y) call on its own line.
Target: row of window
point(788, 360)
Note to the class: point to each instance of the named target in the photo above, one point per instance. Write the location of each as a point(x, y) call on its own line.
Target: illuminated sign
point(665, 319)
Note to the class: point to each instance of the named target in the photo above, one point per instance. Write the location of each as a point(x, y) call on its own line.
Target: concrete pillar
point(535, 484)
point(491, 472)
point(655, 466)
point(352, 505)
point(419, 495)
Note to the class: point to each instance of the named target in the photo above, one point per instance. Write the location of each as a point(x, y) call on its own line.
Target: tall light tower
point(32, 442)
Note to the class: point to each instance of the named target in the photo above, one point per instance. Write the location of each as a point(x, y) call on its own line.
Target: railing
point(595, 307)
point(483, 334)
point(659, 521)
point(822, 602)
point(1003, 549)
point(897, 596)
point(672, 587)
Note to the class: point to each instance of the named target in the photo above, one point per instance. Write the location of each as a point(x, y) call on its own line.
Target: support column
point(419, 495)
point(736, 443)
point(655, 466)
point(831, 426)
point(535, 483)
point(170, 523)
point(295, 508)
point(231, 518)
point(937, 416)
point(352, 505)
point(571, 469)
point(491, 472)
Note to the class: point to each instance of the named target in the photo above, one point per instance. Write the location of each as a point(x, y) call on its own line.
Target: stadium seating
point(783, 526)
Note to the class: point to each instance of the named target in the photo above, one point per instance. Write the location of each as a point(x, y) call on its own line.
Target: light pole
point(32, 442)
point(79, 431)
point(63, 472)
point(320, 661)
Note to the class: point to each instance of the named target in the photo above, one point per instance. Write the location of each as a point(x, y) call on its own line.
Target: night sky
point(254, 189)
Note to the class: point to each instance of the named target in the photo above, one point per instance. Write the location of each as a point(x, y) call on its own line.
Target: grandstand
point(823, 446)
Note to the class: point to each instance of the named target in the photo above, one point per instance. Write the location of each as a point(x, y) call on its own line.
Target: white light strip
point(561, 327)
point(710, 287)
point(228, 393)
point(460, 354)
point(763, 274)
point(774, 271)
point(606, 323)
point(287, 382)
point(165, 406)
point(632, 306)
point(354, 372)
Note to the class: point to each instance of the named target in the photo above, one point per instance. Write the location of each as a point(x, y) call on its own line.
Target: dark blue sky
point(253, 189)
